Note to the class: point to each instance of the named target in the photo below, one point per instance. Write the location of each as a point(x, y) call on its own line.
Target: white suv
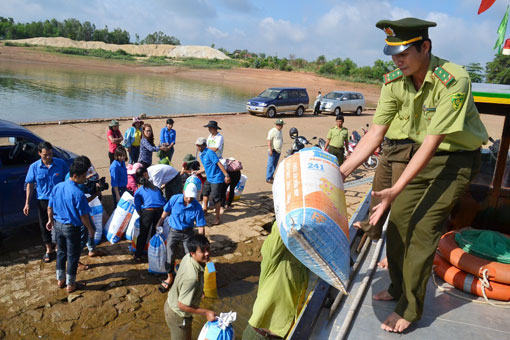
point(342, 101)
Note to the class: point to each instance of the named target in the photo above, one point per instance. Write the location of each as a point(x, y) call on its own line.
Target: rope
point(485, 284)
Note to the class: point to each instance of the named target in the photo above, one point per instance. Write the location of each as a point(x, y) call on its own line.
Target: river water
point(31, 92)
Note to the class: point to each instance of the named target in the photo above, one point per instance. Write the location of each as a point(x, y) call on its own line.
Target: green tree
point(328, 68)
point(160, 38)
point(498, 70)
point(321, 60)
point(380, 68)
point(475, 71)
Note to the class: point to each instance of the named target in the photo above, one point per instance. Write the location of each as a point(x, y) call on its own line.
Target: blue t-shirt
point(46, 178)
point(118, 173)
point(212, 170)
point(68, 203)
point(148, 198)
point(167, 136)
point(184, 216)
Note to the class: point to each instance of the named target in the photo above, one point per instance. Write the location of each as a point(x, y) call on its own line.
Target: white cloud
point(281, 31)
point(216, 32)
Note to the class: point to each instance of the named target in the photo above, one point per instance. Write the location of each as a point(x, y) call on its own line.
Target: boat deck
point(445, 316)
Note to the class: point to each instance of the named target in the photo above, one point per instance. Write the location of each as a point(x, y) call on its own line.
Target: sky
point(304, 29)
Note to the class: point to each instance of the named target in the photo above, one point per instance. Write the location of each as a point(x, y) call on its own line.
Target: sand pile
point(170, 51)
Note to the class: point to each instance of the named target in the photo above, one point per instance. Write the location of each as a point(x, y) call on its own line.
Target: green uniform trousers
point(180, 328)
point(418, 216)
point(339, 153)
point(393, 161)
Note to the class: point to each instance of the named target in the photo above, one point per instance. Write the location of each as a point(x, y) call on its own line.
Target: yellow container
point(210, 289)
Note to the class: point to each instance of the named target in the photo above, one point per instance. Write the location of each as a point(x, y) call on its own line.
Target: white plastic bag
point(157, 253)
point(135, 220)
point(220, 329)
point(96, 215)
point(120, 218)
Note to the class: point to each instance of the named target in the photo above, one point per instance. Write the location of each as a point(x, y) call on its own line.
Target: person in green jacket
point(282, 287)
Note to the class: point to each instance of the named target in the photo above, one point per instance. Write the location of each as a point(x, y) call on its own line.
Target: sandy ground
point(121, 300)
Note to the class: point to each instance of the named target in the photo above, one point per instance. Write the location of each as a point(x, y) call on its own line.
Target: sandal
point(164, 287)
point(77, 286)
point(47, 258)
point(62, 285)
point(83, 266)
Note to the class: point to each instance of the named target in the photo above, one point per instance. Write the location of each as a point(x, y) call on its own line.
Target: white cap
point(190, 190)
point(201, 141)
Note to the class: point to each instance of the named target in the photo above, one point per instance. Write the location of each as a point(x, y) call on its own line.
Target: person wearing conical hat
point(433, 99)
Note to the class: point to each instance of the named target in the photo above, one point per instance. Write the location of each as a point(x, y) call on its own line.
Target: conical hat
point(506, 47)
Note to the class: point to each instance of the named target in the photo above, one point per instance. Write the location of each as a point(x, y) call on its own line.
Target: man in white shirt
point(165, 176)
point(215, 139)
point(274, 149)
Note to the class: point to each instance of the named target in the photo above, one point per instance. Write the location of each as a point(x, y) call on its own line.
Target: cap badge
point(389, 32)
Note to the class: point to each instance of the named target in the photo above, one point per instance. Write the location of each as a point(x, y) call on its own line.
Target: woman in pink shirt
point(114, 138)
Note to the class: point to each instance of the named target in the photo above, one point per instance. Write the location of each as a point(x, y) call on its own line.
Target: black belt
point(265, 334)
point(392, 142)
point(336, 147)
point(448, 153)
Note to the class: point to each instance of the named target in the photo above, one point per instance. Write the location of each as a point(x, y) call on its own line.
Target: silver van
point(342, 101)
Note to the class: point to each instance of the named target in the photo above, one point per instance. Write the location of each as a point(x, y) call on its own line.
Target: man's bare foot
point(383, 264)
point(395, 323)
point(357, 225)
point(383, 295)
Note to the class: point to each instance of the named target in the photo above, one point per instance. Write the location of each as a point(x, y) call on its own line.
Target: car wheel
point(271, 112)
point(337, 111)
point(358, 111)
point(300, 111)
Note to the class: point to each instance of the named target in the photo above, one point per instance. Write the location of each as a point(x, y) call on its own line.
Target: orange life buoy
point(450, 250)
point(469, 283)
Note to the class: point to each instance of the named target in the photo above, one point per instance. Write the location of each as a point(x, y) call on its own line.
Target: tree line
point(76, 30)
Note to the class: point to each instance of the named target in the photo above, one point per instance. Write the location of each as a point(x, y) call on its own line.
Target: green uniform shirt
point(283, 281)
point(188, 286)
point(337, 137)
point(435, 109)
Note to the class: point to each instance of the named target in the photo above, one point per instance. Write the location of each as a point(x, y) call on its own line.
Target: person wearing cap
point(132, 138)
point(274, 148)
point(433, 99)
point(215, 140)
point(114, 137)
point(184, 212)
point(216, 174)
point(167, 138)
point(337, 138)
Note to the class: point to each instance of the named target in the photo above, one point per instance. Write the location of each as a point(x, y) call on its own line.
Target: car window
point(345, 97)
point(269, 94)
point(293, 94)
point(27, 153)
point(360, 96)
point(303, 94)
point(331, 95)
point(353, 96)
point(284, 95)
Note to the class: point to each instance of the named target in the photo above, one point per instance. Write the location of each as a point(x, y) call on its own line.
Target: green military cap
point(401, 34)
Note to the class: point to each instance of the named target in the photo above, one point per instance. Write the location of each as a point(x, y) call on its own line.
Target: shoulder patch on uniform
point(457, 100)
point(444, 76)
point(392, 76)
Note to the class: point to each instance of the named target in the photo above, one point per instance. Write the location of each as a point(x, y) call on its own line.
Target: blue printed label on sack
point(210, 267)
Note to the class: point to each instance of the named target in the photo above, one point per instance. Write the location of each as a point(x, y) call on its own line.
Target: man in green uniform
point(397, 151)
point(337, 139)
point(186, 292)
point(433, 99)
point(282, 286)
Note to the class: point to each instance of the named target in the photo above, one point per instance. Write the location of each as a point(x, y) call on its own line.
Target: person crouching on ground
point(186, 293)
point(149, 204)
point(184, 211)
point(68, 210)
point(282, 287)
point(217, 176)
point(118, 173)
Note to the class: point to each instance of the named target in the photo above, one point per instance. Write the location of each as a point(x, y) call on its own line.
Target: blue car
point(18, 149)
point(279, 100)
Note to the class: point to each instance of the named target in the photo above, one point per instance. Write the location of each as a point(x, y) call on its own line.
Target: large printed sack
point(135, 220)
point(157, 253)
point(195, 180)
point(120, 218)
point(220, 329)
point(311, 212)
point(96, 215)
point(238, 190)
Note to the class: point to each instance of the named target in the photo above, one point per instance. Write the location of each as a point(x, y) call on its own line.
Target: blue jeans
point(272, 162)
point(68, 239)
point(134, 153)
point(87, 239)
